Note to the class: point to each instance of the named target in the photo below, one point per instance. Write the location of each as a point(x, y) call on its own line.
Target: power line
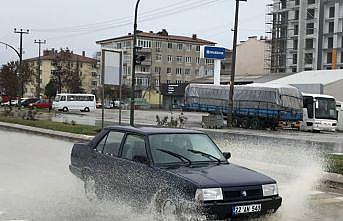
point(145, 18)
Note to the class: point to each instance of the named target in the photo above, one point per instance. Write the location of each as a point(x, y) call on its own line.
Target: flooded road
point(36, 184)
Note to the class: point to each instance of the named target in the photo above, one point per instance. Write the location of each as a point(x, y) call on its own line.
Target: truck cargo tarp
point(257, 95)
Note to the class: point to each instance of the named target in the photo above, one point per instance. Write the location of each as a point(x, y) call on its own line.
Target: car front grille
point(234, 194)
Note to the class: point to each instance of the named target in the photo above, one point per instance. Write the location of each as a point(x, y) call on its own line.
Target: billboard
point(112, 67)
point(214, 53)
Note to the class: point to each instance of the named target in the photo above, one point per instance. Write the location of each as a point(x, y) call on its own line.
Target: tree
point(66, 76)
point(51, 89)
point(10, 81)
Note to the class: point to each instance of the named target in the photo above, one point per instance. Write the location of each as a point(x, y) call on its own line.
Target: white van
point(67, 102)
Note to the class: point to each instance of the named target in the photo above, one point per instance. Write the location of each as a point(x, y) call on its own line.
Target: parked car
point(175, 170)
point(14, 102)
point(43, 104)
point(29, 101)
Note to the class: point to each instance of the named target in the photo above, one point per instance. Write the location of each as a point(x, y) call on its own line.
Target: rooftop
point(324, 77)
point(153, 130)
point(162, 35)
point(63, 54)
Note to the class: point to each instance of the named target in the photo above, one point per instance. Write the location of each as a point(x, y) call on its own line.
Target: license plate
point(246, 209)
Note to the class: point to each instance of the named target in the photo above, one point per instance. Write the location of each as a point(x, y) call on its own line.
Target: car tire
point(87, 109)
point(255, 124)
point(90, 188)
point(65, 109)
point(245, 123)
point(235, 122)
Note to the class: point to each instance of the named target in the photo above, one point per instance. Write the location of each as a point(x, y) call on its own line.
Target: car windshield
point(326, 108)
point(184, 148)
point(57, 98)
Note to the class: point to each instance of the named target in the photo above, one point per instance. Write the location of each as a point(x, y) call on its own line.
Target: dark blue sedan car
point(175, 171)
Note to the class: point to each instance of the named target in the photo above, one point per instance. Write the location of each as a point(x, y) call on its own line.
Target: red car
point(43, 104)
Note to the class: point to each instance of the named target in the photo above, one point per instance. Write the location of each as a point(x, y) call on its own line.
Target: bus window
point(308, 104)
point(63, 98)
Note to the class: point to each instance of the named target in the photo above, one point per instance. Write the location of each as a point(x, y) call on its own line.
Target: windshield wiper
point(205, 155)
point(182, 158)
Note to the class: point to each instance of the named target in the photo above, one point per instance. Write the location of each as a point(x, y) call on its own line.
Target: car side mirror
point(141, 159)
point(227, 155)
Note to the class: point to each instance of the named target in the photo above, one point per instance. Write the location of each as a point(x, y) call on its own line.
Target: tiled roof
point(74, 58)
point(161, 37)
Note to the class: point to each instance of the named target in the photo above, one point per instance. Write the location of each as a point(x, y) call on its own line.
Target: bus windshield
point(57, 98)
point(326, 108)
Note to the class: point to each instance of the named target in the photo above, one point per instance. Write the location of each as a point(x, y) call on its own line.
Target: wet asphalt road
point(36, 184)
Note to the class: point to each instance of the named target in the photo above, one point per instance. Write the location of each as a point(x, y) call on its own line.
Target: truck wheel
point(255, 124)
point(245, 123)
point(235, 122)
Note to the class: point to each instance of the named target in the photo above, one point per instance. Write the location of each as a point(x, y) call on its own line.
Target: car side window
point(63, 98)
point(100, 147)
point(134, 148)
point(113, 143)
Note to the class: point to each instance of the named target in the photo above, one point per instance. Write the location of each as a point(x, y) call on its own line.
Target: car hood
point(223, 175)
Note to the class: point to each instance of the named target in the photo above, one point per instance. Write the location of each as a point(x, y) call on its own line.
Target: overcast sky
point(77, 24)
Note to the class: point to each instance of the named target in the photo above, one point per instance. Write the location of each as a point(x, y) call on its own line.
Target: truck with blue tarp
point(255, 105)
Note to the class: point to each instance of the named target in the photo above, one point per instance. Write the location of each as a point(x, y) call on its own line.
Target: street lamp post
point(233, 66)
point(133, 75)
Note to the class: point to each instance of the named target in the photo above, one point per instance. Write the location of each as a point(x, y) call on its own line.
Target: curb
point(46, 132)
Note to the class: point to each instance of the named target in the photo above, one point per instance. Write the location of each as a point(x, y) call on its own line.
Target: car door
point(135, 170)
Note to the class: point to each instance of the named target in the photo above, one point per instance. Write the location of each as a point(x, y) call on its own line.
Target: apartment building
point(169, 58)
point(51, 59)
point(306, 35)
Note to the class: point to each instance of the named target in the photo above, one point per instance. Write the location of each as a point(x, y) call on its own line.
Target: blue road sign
point(214, 53)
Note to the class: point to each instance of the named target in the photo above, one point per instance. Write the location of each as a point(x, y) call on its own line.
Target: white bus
point(319, 113)
point(82, 102)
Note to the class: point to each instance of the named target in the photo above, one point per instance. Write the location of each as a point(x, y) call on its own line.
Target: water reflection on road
point(37, 185)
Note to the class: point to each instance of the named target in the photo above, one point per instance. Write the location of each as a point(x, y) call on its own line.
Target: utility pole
point(233, 66)
point(38, 89)
point(20, 82)
point(133, 75)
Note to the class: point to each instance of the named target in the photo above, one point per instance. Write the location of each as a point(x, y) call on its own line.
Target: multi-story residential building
point(51, 59)
point(169, 58)
point(306, 35)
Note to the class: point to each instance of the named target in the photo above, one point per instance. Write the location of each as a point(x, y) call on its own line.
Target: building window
point(178, 71)
point(330, 42)
point(189, 47)
point(170, 45)
point(294, 70)
point(144, 43)
point(94, 83)
point(309, 43)
point(342, 42)
point(158, 70)
point(332, 12)
point(197, 48)
point(178, 81)
point(331, 27)
point(188, 59)
point(309, 28)
point(187, 71)
point(296, 2)
point(158, 44)
point(308, 58)
point(158, 57)
point(94, 74)
point(295, 44)
point(295, 58)
point(296, 15)
point(209, 61)
point(329, 58)
point(283, 4)
point(179, 59)
point(310, 2)
point(311, 13)
point(168, 81)
point(179, 46)
point(296, 29)
point(169, 70)
point(196, 72)
point(342, 57)
point(197, 59)
point(170, 58)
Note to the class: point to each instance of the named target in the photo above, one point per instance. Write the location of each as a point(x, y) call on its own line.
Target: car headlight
point(210, 194)
point(270, 190)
